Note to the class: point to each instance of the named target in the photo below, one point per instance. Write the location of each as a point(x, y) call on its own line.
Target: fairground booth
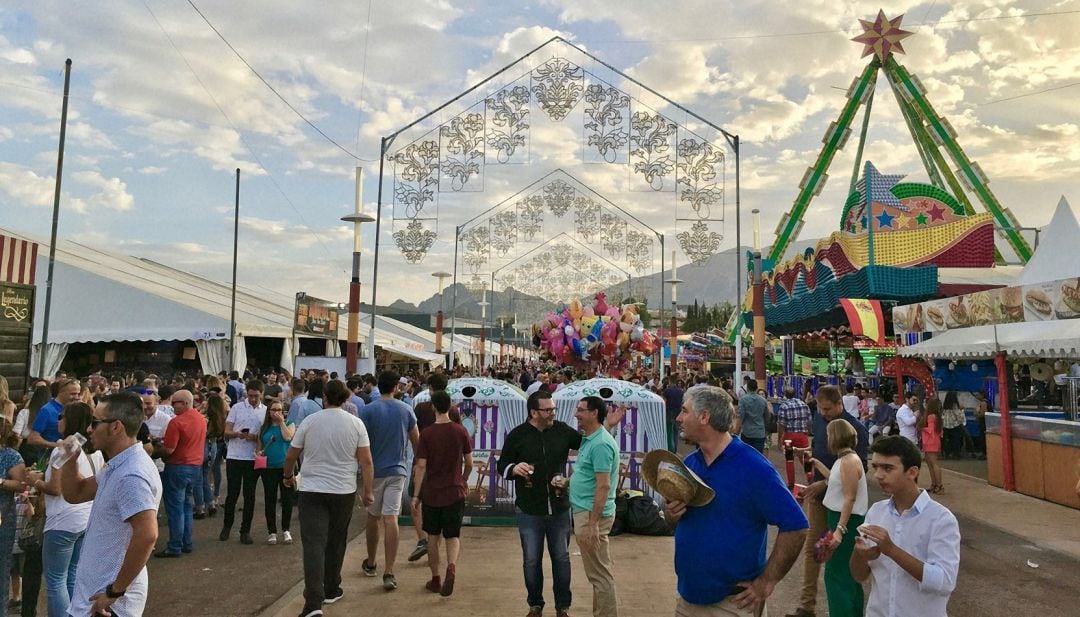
point(489, 409)
point(1021, 346)
point(641, 429)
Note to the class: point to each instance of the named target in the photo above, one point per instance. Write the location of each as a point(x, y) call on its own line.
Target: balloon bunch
point(597, 334)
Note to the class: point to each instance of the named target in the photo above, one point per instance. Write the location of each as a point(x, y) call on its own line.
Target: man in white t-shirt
point(906, 419)
point(851, 401)
point(543, 379)
point(333, 443)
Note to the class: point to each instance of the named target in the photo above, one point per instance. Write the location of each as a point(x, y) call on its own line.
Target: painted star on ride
point(882, 36)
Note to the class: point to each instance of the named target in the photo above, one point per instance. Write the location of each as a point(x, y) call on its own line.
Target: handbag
point(260, 459)
point(32, 528)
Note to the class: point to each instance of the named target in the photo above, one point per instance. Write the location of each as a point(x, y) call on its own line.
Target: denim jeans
point(60, 554)
point(215, 466)
point(180, 484)
point(556, 529)
point(204, 491)
point(7, 538)
point(324, 532)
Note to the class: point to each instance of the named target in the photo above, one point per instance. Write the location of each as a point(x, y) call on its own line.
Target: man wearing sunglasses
point(123, 524)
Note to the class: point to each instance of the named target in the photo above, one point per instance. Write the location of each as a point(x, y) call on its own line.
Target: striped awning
point(18, 260)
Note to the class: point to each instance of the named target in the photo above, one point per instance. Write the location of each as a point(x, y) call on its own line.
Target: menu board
point(1039, 302)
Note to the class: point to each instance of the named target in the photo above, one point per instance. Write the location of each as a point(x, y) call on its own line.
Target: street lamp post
point(483, 326)
point(357, 218)
point(441, 275)
point(674, 282)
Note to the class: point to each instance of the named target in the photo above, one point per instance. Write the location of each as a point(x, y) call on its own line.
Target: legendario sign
point(315, 317)
point(16, 304)
point(1049, 301)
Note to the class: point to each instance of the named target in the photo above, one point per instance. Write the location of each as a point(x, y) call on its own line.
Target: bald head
point(181, 401)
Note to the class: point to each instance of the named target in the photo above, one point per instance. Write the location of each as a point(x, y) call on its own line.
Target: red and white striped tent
point(18, 260)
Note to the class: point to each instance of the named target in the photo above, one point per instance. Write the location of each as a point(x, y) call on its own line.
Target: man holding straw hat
point(722, 499)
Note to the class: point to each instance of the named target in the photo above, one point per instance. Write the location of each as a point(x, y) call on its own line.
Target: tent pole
point(55, 222)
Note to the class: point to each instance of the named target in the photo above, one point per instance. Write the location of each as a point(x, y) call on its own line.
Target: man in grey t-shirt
point(752, 408)
point(334, 443)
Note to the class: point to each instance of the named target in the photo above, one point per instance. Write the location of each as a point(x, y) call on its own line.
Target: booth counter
point(1046, 453)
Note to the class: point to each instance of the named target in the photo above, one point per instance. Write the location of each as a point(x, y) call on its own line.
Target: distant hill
point(710, 283)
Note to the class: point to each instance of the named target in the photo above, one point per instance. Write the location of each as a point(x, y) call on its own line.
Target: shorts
point(388, 492)
point(444, 520)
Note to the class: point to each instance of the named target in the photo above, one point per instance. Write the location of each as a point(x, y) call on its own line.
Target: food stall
point(1031, 330)
point(489, 410)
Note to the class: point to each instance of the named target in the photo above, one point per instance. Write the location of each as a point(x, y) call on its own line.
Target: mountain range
point(712, 282)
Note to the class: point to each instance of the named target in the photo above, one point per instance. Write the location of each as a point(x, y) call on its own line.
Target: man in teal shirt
point(592, 499)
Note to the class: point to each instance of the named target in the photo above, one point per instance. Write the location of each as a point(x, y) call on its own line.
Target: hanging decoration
point(660, 155)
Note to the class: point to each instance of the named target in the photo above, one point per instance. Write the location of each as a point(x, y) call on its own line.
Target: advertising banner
point(315, 317)
point(1039, 302)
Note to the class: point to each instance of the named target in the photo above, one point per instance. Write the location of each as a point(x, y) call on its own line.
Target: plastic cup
point(69, 447)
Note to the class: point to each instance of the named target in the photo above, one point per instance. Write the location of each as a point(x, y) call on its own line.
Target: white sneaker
point(288, 538)
point(272, 539)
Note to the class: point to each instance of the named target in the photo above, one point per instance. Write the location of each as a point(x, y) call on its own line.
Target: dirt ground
point(228, 579)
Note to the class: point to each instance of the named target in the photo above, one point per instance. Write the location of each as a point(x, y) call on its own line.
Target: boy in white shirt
point(909, 544)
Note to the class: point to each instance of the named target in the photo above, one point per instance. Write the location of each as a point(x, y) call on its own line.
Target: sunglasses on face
point(94, 422)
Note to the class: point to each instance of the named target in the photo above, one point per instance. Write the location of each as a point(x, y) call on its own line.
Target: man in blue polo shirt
point(45, 433)
point(720, 548)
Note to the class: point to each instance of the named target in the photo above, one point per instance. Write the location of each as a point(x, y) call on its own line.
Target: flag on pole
point(865, 318)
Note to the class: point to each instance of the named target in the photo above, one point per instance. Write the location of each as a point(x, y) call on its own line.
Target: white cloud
point(112, 193)
point(151, 170)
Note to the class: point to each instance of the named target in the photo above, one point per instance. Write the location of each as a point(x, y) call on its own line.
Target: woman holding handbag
point(845, 504)
point(274, 438)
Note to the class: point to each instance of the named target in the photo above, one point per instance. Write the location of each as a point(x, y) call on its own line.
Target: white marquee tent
point(104, 297)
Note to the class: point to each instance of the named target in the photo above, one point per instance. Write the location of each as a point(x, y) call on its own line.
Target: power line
point(1020, 96)
point(239, 134)
point(736, 37)
point(274, 90)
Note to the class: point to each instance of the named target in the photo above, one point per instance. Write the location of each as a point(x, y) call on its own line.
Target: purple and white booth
point(489, 410)
point(643, 428)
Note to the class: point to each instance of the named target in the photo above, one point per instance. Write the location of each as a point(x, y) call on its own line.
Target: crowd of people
point(319, 443)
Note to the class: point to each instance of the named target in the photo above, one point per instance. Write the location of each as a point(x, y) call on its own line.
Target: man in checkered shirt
point(793, 420)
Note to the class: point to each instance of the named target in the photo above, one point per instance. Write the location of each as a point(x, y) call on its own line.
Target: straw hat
point(669, 476)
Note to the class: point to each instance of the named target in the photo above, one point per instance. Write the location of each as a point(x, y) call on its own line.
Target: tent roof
point(100, 296)
point(1039, 339)
point(433, 359)
point(621, 391)
point(1056, 256)
point(488, 389)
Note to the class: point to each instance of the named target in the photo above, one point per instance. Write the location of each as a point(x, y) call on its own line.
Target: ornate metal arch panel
point(557, 205)
point(560, 269)
point(656, 145)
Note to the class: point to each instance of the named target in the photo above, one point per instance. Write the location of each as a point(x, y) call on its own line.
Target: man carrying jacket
point(532, 455)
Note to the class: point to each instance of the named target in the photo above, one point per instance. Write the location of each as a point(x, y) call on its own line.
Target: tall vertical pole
point(55, 221)
point(1009, 475)
point(758, 305)
point(354, 282)
point(235, 250)
point(738, 270)
point(660, 353)
point(453, 300)
point(674, 317)
point(375, 264)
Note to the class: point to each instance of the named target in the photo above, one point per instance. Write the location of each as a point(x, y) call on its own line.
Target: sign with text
point(315, 317)
point(1049, 301)
point(16, 304)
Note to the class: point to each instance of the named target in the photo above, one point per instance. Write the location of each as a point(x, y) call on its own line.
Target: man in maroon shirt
point(440, 488)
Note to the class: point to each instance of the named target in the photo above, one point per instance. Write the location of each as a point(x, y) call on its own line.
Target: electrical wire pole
point(55, 221)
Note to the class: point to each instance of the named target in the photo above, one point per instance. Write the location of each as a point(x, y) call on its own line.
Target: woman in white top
point(65, 523)
point(25, 420)
point(845, 503)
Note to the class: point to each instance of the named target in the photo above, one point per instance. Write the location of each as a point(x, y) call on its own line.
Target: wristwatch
point(111, 594)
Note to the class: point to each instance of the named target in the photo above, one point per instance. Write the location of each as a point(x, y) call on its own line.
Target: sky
point(162, 111)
